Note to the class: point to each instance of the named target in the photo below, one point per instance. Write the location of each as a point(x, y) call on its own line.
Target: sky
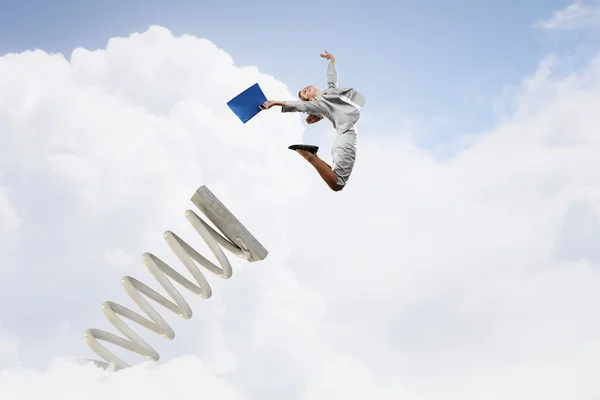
point(440, 67)
point(460, 262)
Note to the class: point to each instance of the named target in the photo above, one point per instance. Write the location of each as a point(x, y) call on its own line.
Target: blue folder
point(246, 104)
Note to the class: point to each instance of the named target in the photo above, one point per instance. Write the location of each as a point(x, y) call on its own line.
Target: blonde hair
point(311, 118)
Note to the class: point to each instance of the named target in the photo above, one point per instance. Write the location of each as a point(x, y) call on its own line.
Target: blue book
point(246, 104)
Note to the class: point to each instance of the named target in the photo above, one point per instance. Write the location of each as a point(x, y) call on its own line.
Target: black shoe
point(307, 147)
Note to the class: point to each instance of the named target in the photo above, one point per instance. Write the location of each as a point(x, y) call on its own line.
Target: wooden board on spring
point(227, 223)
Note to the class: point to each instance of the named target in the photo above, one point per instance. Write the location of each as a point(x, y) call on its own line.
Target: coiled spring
point(236, 239)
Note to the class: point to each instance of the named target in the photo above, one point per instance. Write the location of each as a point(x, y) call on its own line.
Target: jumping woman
point(342, 107)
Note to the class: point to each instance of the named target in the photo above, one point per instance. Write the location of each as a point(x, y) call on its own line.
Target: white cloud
point(184, 378)
point(9, 218)
point(575, 16)
point(9, 349)
point(471, 277)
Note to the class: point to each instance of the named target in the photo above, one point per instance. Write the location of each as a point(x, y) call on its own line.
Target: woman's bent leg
point(323, 169)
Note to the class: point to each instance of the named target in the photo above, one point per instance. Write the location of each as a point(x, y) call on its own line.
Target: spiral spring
point(236, 239)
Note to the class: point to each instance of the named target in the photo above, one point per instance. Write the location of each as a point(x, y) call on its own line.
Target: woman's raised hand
point(328, 56)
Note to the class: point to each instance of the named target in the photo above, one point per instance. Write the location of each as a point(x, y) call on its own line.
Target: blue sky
point(439, 63)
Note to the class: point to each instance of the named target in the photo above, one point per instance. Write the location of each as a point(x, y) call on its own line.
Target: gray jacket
point(341, 106)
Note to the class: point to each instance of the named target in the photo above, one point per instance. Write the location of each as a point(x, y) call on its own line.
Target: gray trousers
point(343, 153)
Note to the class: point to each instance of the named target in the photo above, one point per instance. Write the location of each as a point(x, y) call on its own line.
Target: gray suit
point(342, 107)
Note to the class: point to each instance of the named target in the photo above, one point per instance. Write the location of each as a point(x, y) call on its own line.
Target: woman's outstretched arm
point(332, 77)
point(308, 107)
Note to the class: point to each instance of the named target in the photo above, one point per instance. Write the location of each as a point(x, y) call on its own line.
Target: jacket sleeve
point(309, 107)
point(332, 77)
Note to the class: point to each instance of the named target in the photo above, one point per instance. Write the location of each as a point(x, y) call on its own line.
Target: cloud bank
point(575, 16)
point(465, 278)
